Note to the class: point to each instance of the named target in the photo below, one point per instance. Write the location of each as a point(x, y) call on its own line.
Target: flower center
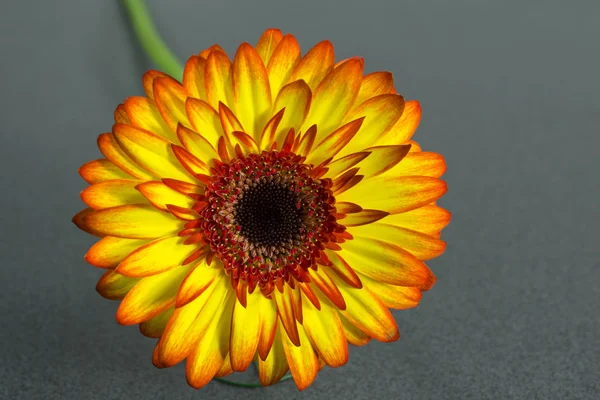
point(267, 218)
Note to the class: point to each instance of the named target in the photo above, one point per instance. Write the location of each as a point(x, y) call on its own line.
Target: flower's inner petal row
point(295, 99)
point(109, 146)
point(112, 193)
point(193, 77)
point(143, 113)
point(375, 84)
point(392, 296)
point(245, 331)
point(275, 365)
point(114, 286)
point(155, 326)
point(404, 128)
point(148, 81)
point(206, 123)
point(170, 99)
point(429, 219)
point(218, 79)
point(302, 360)
point(315, 65)
point(420, 163)
point(280, 66)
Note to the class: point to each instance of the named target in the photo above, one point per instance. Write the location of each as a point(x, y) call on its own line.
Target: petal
point(151, 152)
point(368, 313)
point(385, 262)
point(156, 257)
point(342, 269)
point(355, 336)
point(421, 163)
point(274, 367)
point(196, 282)
point(245, 331)
point(323, 281)
point(382, 159)
point(148, 81)
point(333, 98)
point(155, 326)
point(324, 329)
point(343, 164)
point(429, 219)
point(207, 358)
point(268, 43)
point(109, 251)
point(268, 326)
point(150, 296)
point(121, 115)
point(114, 286)
point(405, 127)
point(295, 98)
point(363, 217)
point(396, 297)
point(285, 58)
point(101, 170)
point(170, 99)
point(143, 113)
point(112, 193)
point(380, 114)
point(108, 145)
point(79, 221)
point(422, 246)
point(217, 78)
point(133, 221)
point(315, 64)
point(204, 119)
point(251, 90)
point(190, 322)
point(302, 360)
point(285, 311)
point(159, 195)
point(197, 144)
point(193, 77)
point(331, 145)
point(375, 84)
point(395, 194)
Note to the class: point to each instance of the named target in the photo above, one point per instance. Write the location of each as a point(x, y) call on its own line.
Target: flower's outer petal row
point(150, 296)
point(170, 99)
point(355, 336)
point(333, 98)
point(112, 193)
point(101, 170)
point(392, 296)
point(367, 312)
point(218, 79)
point(267, 44)
point(206, 123)
point(121, 115)
point(421, 163)
point(160, 195)
point(331, 145)
point(151, 152)
point(109, 251)
point(108, 145)
point(422, 246)
point(155, 326)
point(148, 81)
point(143, 113)
point(429, 219)
point(280, 66)
point(405, 127)
point(315, 64)
point(156, 257)
point(197, 281)
point(267, 328)
point(295, 99)
point(275, 365)
point(134, 221)
point(375, 84)
point(206, 359)
point(193, 77)
point(382, 159)
point(302, 360)
point(380, 114)
point(114, 286)
point(395, 194)
point(251, 90)
point(245, 331)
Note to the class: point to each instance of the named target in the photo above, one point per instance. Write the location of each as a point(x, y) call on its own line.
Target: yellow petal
point(217, 77)
point(150, 296)
point(148, 81)
point(268, 325)
point(333, 98)
point(193, 77)
point(368, 313)
point(155, 326)
point(170, 99)
point(143, 113)
point(405, 127)
point(375, 84)
point(245, 331)
point(112, 193)
point(197, 281)
point(395, 194)
point(315, 64)
point(121, 115)
point(101, 170)
point(429, 219)
point(197, 144)
point(295, 98)
point(302, 360)
point(324, 329)
point(114, 286)
point(286, 315)
point(421, 163)
point(159, 195)
point(396, 297)
point(380, 114)
point(385, 262)
point(422, 246)
point(355, 336)
point(156, 257)
point(108, 145)
point(109, 251)
point(204, 119)
point(343, 164)
point(151, 152)
point(332, 144)
point(285, 58)
point(343, 269)
point(382, 159)
point(209, 355)
point(274, 367)
point(268, 43)
point(133, 221)
point(363, 217)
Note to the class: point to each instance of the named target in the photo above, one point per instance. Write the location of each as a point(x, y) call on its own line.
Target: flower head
point(270, 208)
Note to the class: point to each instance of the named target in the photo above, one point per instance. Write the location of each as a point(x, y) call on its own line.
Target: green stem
point(150, 40)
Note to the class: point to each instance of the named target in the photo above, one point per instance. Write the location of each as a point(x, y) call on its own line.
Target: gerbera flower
point(270, 208)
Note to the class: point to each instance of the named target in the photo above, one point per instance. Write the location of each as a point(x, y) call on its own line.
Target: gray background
point(510, 97)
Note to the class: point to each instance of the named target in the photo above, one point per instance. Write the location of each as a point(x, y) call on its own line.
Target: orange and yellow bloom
point(272, 208)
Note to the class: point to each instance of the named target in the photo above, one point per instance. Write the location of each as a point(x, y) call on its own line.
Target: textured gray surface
point(510, 97)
